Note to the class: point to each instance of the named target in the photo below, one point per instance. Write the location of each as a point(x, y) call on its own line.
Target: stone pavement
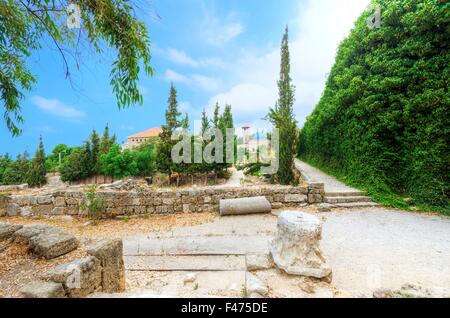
point(367, 248)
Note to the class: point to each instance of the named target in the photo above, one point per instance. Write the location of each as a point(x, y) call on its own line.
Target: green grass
point(383, 197)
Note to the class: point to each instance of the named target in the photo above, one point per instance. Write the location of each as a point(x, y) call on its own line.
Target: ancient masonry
point(102, 269)
point(161, 201)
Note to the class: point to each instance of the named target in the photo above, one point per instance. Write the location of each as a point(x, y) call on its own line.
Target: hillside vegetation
point(383, 121)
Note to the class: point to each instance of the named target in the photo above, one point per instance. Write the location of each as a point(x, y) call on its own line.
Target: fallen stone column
point(295, 248)
point(244, 206)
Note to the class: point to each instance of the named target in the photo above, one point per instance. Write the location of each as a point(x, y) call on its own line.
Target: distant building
point(140, 138)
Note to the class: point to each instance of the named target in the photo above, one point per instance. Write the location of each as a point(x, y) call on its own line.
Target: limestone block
point(43, 209)
point(315, 198)
point(13, 209)
point(277, 205)
point(44, 199)
point(255, 285)
point(80, 277)
point(7, 230)
point(295, 198)
point(244, 206)
point(59, 202)
point(110, 254)
point(53, 244)
point(257, 262)
point(43, 290)
point(27, 232)
point(59, 211)
point(296, 249)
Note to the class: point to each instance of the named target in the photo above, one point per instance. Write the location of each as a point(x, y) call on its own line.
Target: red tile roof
point(152, 132)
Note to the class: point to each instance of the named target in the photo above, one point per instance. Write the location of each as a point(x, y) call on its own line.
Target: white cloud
point(173, 76)
point(181, 58)
point(222, 34)
point(319, 28)
point(185, 107)
point(219, 31)
point(195, 80)
point(56, 107)
point(247, 99)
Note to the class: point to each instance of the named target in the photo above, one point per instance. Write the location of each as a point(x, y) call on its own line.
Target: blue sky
point(213, 50)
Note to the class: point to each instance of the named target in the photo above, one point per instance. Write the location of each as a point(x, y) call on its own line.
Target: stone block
point(7, 230)
point(79, 278)
point(295, 198)
point(59, 202)
point(43, 290)
point(51, 244)
point(13, 209)
point(110, 254)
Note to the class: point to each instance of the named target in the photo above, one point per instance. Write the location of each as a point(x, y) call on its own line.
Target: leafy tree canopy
point(25, 25)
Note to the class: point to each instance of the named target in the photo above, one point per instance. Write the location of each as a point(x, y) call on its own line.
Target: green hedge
point(383, 120)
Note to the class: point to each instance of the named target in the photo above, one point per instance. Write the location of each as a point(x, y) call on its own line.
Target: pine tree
point(23, 166)
point(282, 116)
point(38, 170)
point(95, 152)
point(164, 158)
point(216, 118)
point(185, 122)
point(106, 141)
point(205, 122)
point(86, 163)
point(226, 122)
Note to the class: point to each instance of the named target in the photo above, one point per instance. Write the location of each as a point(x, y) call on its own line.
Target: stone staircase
point(350, 199)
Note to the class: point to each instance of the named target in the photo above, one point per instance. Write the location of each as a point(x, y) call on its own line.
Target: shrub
point(95, 205)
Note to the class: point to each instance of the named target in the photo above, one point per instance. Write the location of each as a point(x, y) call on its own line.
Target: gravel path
point(315, 175)
point(235, 179)
point(376, 247)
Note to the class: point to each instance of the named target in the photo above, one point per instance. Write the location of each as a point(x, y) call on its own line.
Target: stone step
point(186, 284)
point(185, 263)
point(334, 200)
point(198, 245)
point(344, 194)
point(356, 205)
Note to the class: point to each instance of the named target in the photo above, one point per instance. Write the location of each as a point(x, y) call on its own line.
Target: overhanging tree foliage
point(383, 119)
point(25, 25)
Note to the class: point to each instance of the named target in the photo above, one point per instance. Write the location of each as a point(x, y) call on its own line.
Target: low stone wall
point(161, 201)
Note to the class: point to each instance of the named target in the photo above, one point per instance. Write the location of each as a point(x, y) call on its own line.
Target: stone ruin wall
point(161, 201)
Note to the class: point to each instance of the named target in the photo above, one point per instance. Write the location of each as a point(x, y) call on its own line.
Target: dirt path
point(235, 179)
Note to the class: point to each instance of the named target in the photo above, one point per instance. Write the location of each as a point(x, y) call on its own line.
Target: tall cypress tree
point(164, 157)
point(282, 116)
point(38, 169)
point(95, 152)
